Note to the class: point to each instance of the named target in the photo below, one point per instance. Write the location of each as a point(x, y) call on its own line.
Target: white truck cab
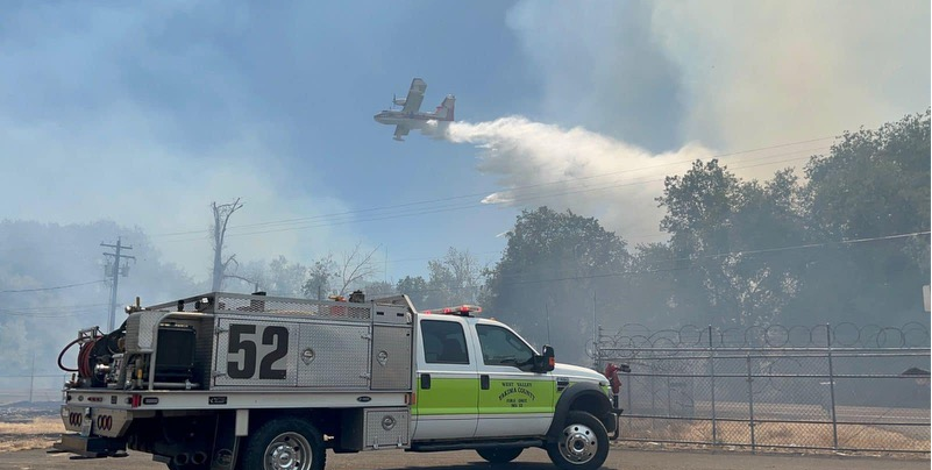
point(229, 381)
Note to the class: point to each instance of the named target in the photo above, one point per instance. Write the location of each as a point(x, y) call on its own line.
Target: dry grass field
point(35, 433)
point(794, 436)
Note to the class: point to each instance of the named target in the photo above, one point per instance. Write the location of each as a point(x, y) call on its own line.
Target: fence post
point(32, 377)
point(628, 387)
point(751, 406)
point(831, 386)
point(712, 380)
point(653, 397)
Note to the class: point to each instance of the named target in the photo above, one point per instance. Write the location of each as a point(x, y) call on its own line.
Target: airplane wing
point(401, 131)
point(415, 96)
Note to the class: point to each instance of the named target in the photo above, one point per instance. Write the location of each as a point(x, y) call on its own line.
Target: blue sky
point(146, 112)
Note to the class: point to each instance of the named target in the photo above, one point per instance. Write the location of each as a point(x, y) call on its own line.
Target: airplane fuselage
point(410, 120)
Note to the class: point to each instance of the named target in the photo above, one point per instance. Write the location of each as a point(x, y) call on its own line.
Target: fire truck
point(226, 381)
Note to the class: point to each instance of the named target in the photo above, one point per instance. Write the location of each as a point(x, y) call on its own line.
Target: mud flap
point(617, 412)
point(226, 443)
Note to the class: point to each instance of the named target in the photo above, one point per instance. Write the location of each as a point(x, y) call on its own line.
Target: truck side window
point(444, 342)
point(501, 347)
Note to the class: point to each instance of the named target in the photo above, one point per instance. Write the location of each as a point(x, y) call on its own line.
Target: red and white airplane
point(409, 116)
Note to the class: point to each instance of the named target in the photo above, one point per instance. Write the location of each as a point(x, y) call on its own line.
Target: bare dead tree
point(356, 266)
point(253, 282)
point(222, 213)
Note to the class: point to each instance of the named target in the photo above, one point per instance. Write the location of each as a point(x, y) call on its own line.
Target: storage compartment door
point(333, 356)
point(256, 353)
point(391, 358)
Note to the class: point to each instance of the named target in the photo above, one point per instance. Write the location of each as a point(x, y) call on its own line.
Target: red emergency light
point(462, 310)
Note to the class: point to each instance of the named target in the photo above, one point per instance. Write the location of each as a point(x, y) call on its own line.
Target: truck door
point(447, 382)
point(512, 402)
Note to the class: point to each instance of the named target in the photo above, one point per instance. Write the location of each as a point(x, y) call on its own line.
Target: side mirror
point(544, 362)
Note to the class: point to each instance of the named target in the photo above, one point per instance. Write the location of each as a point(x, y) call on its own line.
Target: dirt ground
point(26, 431)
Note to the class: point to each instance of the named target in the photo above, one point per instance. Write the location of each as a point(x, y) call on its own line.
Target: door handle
point(425, 381)
point(484, 381)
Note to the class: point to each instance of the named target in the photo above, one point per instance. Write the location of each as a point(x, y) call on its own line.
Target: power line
point(51, 311)
point(55, 307)
point(324, 217)
point(475, 205)
point(519, 281)
point(720, 255)
point(41, 289)
point(30, 375)
point(525, 198)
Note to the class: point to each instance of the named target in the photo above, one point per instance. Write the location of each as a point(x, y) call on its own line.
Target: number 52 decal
point(241, 342)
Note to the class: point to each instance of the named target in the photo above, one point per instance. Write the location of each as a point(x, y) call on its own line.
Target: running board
point(444, 446)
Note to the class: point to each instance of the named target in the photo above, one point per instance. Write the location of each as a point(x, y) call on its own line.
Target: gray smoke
point(589, 173)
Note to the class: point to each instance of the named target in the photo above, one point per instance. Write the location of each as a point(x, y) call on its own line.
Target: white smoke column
point(591, 174)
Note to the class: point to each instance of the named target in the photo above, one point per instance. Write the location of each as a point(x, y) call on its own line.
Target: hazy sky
point(144, 113)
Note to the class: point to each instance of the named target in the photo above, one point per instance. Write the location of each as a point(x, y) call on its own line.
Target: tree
point(285, 278)
point(355, 268)
point(222, 215)
point(454, 279)
point(34, 259)
point(415, 288)
point(377, 289)
point(327, 277)
point(548, 279)
point(319, 277)
point(872, 184)
point(652, 300)
point(721, 229)
point(278, 277)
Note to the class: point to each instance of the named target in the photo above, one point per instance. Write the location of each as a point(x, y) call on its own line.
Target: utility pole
point(114, 271)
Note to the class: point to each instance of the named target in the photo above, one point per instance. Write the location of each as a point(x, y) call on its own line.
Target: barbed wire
point(634, 337)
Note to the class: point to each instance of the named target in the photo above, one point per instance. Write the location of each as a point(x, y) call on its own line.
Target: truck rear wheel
point(285, 444)
point(582, 445)
point(500, 455)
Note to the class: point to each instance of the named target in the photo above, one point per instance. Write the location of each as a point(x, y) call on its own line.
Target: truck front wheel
point(285, 444)
point(501, 455)
point(582, 445)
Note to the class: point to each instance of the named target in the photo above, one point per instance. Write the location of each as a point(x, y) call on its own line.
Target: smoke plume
point(589, 173)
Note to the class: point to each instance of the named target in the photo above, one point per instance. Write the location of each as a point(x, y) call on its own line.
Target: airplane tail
point(445, 110)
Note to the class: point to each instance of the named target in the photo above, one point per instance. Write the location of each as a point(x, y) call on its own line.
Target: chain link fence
point(839, 388)
point(31, 388)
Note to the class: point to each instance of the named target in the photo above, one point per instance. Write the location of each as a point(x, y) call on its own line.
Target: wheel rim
point(288, 451)
point(579, 444)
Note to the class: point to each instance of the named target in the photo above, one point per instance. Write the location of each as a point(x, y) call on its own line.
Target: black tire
point(500, 455)
point(582, 443)
point(288, 439)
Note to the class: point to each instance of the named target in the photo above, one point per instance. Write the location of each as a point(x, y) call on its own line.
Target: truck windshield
point(501, 347)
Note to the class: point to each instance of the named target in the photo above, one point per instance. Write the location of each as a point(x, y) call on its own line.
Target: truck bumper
point(91, 447)
point(616, 415)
